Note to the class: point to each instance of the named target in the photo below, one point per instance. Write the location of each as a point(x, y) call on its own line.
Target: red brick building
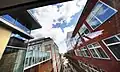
point(42, 56)
point(98, 47)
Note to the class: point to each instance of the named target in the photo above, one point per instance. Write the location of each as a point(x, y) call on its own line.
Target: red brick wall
point(43, 67)
point(111, 27)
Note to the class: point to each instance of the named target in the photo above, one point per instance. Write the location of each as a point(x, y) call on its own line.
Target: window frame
point(35, 50)
point(99, 57)
point(98, 18)
point(84, 51)
point(111, 45)
point(76, 53)
point(83, 25)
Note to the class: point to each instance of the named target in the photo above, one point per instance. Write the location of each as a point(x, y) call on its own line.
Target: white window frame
point(82, 49)
point(97, 18)
point(97, 52)
point(76, 53)
point(33, 49)
point(79, 52)
point(85, 27)
point(112, 44)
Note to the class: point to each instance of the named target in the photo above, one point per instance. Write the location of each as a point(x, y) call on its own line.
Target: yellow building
point(14, 35)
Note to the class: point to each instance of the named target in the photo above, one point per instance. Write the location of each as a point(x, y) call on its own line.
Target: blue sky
point(58, 19)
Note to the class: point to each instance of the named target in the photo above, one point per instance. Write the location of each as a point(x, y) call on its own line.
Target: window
point(36, 53)
point(97, 51)
point(47, 47)
point(78, 52)
point(85, 52)
point(83, 30)
point(113, 44)
point(100, 13)
point(15, 22)
point(26, 62)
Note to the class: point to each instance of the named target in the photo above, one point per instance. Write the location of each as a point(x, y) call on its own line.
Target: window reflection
point(37, 53)
point(100, 13)
point(83, 30)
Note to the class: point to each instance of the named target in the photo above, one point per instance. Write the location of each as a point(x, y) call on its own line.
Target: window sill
point(36, 64)
point(101, 58)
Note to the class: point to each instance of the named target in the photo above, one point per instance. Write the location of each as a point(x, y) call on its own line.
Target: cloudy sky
point(56, 20)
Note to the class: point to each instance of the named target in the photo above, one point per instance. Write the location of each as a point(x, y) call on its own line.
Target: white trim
point(108, 5)
point(83, 49)
point(84, 26)
point(109, 48)
point(117, 37)
point(112, 44)
point(97, 53)
point(95, 47)
point(97, 19)
point(76, 53)
point(36, 64)
point(79, 51)
point(93, 55)
point(109, 37)
point(13, 47)
point(99, 57)
point(93, 69)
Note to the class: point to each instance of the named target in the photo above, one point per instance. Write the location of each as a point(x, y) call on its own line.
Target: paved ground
point(69, 68)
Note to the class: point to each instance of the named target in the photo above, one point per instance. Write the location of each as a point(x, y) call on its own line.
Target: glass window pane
point(105, 12)
point(95, 44)
point(111, 40)
point(40, 56)
point(118, 36)
point(89, 46)
point(86, 31)
point(96, 8)
point(101, 53)
point(79, 52)
point(115, 49)
point(87, 53)
point(89, 17)
point(93, 53)
point(83, 30)
point(94, 23)
point(82, 53)
point(100, 13)
point(30, 61)
point(9, 18)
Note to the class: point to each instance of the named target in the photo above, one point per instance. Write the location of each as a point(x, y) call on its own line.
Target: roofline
point(34, 19)
point(28, 5)
point(15, 29)
point(40, 39)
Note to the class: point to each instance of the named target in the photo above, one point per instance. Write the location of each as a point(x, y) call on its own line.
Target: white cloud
point(45, 16)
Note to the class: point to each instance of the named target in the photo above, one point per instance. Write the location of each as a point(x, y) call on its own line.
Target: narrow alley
point(60, 36)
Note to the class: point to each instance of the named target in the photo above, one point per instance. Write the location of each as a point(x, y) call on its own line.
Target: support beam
point(18, 5)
